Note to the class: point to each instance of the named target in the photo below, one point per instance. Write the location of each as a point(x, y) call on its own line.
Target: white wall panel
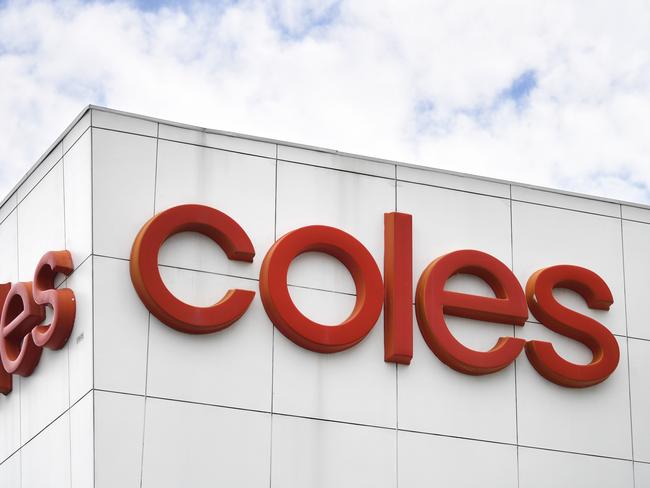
point(354, 385)
point(563, 200)
point(121, 324)
point(351, 202)
point(45, 394)
point(10, 421)
point(77, 179)
point(228, 447)
point(119, 426)
point(640, 396)
point(435, 398)
point(44, 167)
point(75, 132)
point(230, 367)
point(309, 452)
point(8, 206)
point(124, 167)
point(46, 458)
point(239, 185)
point(635, 213)
point(80, 344)
point(82, 443)
point(40, 222)
point(592, 420)
point(636, 241)
point(336, 161)
point(9, 248)
point(428, 176)
point(428, 460)
point(448, 220)
point(545, 236)
point(123, 123)
point(544, 469)
point(641, 475)
point(200, 137)
point(10, 471)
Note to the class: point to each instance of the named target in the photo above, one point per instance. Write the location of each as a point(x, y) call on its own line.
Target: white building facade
point(129, 401)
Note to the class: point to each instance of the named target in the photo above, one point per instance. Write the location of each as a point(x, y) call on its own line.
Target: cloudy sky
point(554, 93)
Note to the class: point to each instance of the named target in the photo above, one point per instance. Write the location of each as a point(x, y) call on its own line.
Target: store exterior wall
point(131, 402)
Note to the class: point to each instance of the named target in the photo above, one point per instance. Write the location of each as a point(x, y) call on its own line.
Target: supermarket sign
point(511, 303)
point(24, 331)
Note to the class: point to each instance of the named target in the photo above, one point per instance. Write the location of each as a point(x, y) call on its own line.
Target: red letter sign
point(20, 315)
point(148, 283)
point(286, 316)
point(22, 337)
point(603, 345)
point(55, 334)
point(398, 279)
point(6, 383)
point(433, 302)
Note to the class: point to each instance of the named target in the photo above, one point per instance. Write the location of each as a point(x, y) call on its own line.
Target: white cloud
point(426, 82)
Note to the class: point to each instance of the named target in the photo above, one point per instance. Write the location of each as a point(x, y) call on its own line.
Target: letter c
point(212, 223)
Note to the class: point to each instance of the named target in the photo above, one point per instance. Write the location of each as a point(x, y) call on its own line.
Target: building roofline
point(89, 107)
point(53, 146)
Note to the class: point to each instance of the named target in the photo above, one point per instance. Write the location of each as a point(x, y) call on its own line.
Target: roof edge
point(310, 148)
point(373, 159)
point(56, 142)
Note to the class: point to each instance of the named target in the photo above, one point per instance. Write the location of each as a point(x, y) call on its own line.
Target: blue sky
point(554, 93)
point(520, 88)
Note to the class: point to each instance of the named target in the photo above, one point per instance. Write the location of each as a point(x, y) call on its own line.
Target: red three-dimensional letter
point(603, 345)
point(398, 288)
point(55, 334)
point(148, 283)
point(285, 315)
point(6, 382)
point(433, 302)
point(20, 315)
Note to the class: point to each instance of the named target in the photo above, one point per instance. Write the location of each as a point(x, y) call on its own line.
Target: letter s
point(558, 318)
point(55, 334)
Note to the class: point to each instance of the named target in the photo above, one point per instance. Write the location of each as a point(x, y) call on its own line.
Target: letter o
point(148, 283)
point(285, 315)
